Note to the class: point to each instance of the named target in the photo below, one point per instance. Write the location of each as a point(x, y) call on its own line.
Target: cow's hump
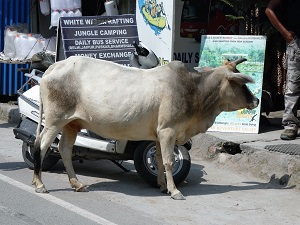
point(178, 66)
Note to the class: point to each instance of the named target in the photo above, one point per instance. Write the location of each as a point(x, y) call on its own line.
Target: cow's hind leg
point(41, 145)
point(65, 147)
point(161, 181)
point(167, 142)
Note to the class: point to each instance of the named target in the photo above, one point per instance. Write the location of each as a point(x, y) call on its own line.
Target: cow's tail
point(37, 143)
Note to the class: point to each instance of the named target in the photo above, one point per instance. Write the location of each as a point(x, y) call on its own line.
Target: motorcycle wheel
point(146, 165)
point(27, 153)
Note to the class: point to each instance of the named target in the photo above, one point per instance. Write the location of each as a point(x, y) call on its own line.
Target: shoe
point(288, 134)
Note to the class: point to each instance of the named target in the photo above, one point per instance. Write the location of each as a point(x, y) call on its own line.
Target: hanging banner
point(101, 37)
point(155, 27)
point(214, 50)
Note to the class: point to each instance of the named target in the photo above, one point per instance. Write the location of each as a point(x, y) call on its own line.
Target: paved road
point(214, 194)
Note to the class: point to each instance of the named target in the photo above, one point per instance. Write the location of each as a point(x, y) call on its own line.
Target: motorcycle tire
point(27, 153)
point(146, 165)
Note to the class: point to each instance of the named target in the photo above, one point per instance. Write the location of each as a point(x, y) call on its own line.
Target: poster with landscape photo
point(214, 50)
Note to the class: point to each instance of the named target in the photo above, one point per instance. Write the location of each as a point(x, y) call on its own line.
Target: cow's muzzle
point(253, 104)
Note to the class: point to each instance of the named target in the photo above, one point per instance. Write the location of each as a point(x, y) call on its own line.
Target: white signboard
point(155, 27)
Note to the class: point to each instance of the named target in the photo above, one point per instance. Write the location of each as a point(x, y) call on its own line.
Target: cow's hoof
point(178, 196)
point(41, 190)
point(82, 189)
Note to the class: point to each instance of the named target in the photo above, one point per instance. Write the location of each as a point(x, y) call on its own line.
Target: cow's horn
point(238, 61)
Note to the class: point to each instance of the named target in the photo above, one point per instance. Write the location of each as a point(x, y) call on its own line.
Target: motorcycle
point(90, 146)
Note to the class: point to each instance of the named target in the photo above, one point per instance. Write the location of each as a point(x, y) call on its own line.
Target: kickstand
point(119, 165)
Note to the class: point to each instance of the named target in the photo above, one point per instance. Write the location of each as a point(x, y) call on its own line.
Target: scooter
point(90, 146)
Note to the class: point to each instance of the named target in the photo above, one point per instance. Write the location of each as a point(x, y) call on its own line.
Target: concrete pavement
point(263, 155)
point(276, 165)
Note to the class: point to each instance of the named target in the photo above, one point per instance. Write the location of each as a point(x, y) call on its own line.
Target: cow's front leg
point(167, 139)
point(65, 149)
point(161, 181)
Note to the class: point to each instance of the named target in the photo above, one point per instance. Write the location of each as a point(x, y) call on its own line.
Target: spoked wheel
point(146, 165)
point(27, 153)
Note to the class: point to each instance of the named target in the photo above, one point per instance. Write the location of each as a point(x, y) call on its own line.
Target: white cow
point(167, 104)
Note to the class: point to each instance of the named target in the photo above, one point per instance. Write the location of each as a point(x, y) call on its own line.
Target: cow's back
point(114, 97)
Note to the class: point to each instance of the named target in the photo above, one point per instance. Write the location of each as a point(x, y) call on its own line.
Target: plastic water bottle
point(111, 8)
point(54, 18)
point(17, 45)
point(31, 42)
point(9, 46)
point(63, 13)
point(77, 4)
point(70, 4)
point(63, 5)
point(45, 7)
point(21, 47)
point(78, 12)
point(71, 13)
point(27, 45)
point(40, 45)
point(55, 4)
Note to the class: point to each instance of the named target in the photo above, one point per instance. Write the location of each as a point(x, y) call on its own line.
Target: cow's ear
point(240, 78)
point(203, 69)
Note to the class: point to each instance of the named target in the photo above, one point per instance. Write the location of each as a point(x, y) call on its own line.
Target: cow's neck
point(209, 106)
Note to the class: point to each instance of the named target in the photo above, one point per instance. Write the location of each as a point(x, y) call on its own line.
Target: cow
point(167, 104)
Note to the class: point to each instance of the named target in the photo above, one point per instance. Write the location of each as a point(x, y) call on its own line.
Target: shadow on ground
point(105, 176)
point(8, 125)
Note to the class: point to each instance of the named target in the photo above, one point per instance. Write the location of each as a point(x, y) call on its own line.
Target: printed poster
point(214, 50)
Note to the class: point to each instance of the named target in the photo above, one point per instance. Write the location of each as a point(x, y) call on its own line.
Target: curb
point(274, 167)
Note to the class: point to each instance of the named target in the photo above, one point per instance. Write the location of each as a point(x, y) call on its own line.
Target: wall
point(12, 11)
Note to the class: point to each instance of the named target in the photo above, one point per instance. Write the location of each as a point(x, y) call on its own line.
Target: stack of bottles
point(64, 8)
point(21, 46)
